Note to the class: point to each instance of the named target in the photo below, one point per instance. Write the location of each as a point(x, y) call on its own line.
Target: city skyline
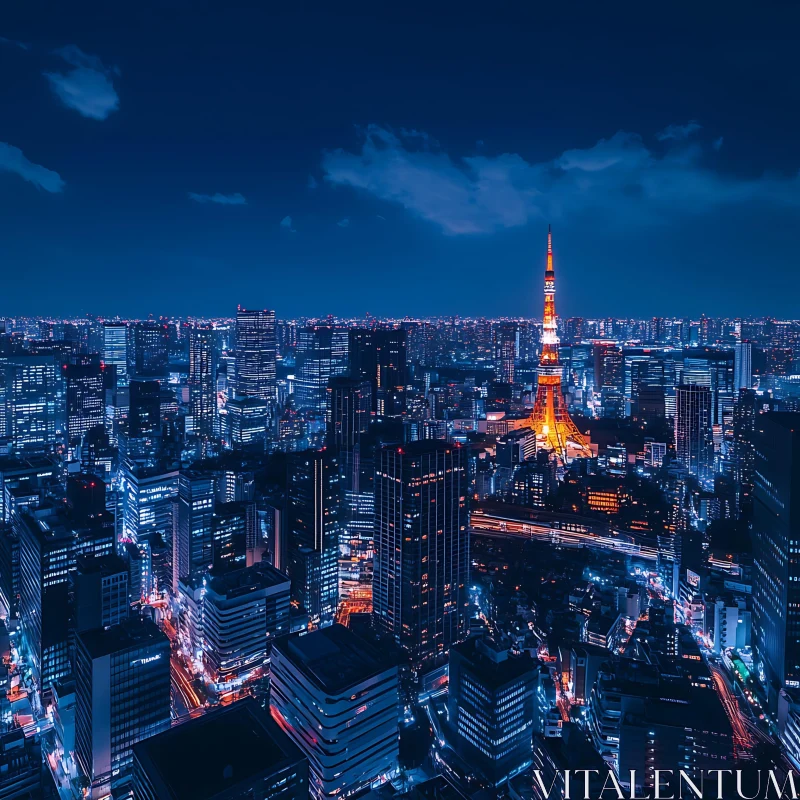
point(313, 165)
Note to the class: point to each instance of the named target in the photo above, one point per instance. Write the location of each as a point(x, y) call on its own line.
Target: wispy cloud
point(679, 132)
point(312, 182)
point(286, 224)
point(12, 159)
point(235, 199)
point(344, 223)
point(86, 85)
point(718, 143)
point(619, 181)
point(14, 43)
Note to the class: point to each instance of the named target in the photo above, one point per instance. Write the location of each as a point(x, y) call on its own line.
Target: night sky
point(399, 158)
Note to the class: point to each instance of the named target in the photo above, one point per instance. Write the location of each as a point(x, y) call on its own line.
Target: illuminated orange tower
point(554, 428)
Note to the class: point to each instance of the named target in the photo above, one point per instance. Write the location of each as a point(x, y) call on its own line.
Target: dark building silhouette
point(378, 355)
point(421, 546)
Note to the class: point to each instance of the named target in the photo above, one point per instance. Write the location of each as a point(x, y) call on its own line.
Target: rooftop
point(235, 746)
point(248, 579)
point(334, 658)
point(133, 633)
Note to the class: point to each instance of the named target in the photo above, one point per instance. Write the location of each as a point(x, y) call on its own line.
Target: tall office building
point(193, 530)
point(83, 378)
point(115, 349)
point(421, 546)
point(246, 423)
point(122, 683)
point(256, 351)
point(202, 375)
point(312, 498)
point(349, 411)
point(243, 612)
point(491, 707)
point(101, 592)
point(144, 408)
point(378, 355)
point(743, 366)
point(50, 541)
point(505, 351)
point(243, 753)
point(33, 413)
point(776, 531)
point(321, 355)
point(346, 691)
point(694, 446)
point(147, 497)
point(349, 416)
point(150, 356)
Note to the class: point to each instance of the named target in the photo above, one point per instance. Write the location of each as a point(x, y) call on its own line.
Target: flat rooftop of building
point(334, 658)
point(110, 564)
point(134, 632)
point(248, 579)
point(228, 748)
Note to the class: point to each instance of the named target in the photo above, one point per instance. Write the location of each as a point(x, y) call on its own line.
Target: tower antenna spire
point(554, 427)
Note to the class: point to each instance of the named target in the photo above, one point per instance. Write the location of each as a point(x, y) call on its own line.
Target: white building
point(337, 698)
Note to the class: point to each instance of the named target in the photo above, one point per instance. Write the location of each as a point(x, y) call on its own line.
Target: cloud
point(12, 159)
point(235, 199)
point(679, 132)
point(312, 182)
point(286, 224)
point(344, 223)
point(718, 143)
point(14, 43)
point(87, 87)
point(618, 181)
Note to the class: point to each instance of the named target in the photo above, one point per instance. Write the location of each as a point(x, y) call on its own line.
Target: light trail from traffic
point(485, 524)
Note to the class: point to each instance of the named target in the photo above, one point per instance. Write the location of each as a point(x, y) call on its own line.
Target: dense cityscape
point(257, 557)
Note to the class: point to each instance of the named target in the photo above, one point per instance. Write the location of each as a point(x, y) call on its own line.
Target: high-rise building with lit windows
point(694, 447)
point(150, 349)
point(346, 692)
point(83, 378)
point(115, 349)
point(256, 351)
point(193, 528)
point(378, 355)
point(419, 591)
point(202, 374)
point(776, 542)
point(34, 403)
point(321, 355)
point(122, 688)
point(313, 507)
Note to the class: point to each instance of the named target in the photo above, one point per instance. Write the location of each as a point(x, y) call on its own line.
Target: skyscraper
point(349, 411)
point(150, 356)
point(345, 690)
point(776, 531)
point(255, 354)
point(122, 684)
point(32, 411)
point(554, 427)
point(192, 538)
point(694, 447)
point(83, 377)
point(202, 372)
point(505, 352)
point(421, 546)
point(321, 355)
point(313, 533)
point(743, 366)
point(115, 349)
point(378, 355)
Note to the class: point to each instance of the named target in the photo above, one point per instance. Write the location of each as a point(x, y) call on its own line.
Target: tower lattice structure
point(554, 427)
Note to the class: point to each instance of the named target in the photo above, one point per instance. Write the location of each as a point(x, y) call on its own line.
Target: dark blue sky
point(183, 157)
